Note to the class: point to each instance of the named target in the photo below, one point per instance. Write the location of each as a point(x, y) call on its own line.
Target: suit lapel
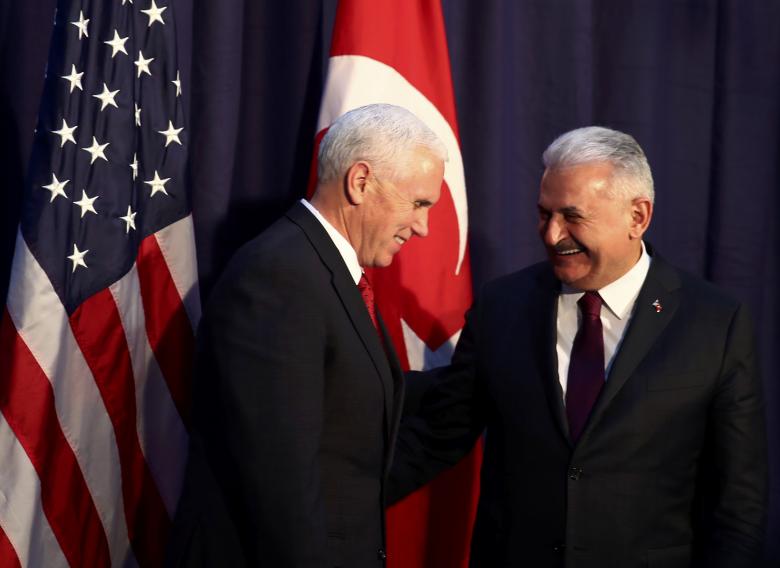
point(543, 314)
point(394, 400)
point(350, 298)
point(646, 325)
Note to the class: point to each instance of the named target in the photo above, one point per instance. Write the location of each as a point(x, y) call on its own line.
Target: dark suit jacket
point(295, 412)
point(671, 468)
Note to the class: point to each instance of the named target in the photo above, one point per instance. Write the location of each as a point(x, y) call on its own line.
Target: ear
point(355, 181)
point(641, 213)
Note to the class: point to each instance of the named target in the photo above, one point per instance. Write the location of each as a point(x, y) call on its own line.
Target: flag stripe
point(176, 241)
point(98, 330)
point(41, 321)
point(354, 80)
point(21, 513)
point(167, 324)
point(28, 406)
point(156, 412)
point(8, 557)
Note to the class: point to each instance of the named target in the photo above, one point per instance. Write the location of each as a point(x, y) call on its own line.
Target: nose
point(552, 230)
point(420, 224)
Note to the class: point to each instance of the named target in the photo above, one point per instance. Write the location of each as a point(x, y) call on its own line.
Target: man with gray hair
point(620, 396)
point(298, 392)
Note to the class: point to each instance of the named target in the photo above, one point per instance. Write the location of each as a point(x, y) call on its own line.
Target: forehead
point(574, 186)
point(422, 174)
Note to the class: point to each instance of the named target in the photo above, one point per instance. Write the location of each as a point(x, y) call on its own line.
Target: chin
point(383, 262)
point(570, 278)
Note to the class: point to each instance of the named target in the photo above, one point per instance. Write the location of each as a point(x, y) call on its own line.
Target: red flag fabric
point(96, 337)
point(395, 51)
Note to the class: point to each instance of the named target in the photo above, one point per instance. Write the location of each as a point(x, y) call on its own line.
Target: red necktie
point(586, 367)
point(368, 298)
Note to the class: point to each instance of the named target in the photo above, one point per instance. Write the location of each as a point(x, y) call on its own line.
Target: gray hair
point(380, 134)
point(631, 177)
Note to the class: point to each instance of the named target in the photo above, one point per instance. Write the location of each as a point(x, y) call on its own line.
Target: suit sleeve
point(444, 415)
point(259, 411)
point(737, 422)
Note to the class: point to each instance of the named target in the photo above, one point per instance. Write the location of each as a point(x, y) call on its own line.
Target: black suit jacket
point(295, 412)
point(671, 468)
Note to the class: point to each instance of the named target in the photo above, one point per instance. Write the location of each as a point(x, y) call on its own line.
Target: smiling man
point(620, 395)
point(298, 392)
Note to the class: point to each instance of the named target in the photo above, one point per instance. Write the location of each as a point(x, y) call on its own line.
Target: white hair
point(631, 177)
point(381, 134)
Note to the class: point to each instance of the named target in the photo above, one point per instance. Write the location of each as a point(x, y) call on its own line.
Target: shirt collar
point(342, 244)
point(619, 296)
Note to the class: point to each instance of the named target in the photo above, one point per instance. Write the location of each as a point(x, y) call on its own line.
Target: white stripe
point(355, 80)
point(43, 325)
point(160, 429)
point(21, 510)
point(177, 243)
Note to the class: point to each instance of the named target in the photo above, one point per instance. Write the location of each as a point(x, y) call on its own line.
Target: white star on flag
point(143, 64)
point(158, 185)
point(117, 44)
point(77, 258)
point(82, 25)
point(137, 114)
point(177, 82)
point(86, 203)
point(74, 78)
point(56, 187)
point(171, 135)
point(107, 97)
point(421, 356)
point(155, 14)
point(129, 220)
point(124, 1)
point(134, 166)
point(96, 150)
point(65, 133)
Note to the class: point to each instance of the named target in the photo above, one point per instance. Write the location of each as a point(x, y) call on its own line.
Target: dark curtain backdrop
point(696, 82)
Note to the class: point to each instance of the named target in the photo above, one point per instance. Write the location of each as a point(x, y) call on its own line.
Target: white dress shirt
point(345, 249)
point(619, 299)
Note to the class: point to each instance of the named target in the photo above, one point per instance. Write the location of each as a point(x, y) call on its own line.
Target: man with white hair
point(620, 396)
point(298, 392)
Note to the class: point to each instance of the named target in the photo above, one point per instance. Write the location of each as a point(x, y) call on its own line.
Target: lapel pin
point(658, 307)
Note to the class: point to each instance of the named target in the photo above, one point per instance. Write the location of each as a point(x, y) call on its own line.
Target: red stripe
point(98, 330)
point(167, 324)
point(8, 556)
point(27, 402)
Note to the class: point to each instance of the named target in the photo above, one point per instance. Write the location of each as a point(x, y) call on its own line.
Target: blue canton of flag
point(108, 164)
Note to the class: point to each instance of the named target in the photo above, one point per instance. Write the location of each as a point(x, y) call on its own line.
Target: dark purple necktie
point(586, 367)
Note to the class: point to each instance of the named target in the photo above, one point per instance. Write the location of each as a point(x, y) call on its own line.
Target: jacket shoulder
point(521, 282)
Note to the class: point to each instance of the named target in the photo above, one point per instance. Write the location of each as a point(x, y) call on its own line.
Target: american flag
point(97, 335)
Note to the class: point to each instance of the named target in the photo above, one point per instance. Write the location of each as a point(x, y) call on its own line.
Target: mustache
point(567, 244)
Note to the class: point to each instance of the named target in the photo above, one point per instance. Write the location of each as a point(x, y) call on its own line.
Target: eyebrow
point(569, 210)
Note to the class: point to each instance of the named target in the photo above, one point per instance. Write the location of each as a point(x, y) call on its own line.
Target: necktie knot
point(590, 304)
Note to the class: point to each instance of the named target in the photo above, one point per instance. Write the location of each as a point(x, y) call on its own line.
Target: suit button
point(575, 473)
point(559, 547)
point(381, 555)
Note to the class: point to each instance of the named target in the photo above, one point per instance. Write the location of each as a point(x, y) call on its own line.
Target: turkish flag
point(395, 51)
